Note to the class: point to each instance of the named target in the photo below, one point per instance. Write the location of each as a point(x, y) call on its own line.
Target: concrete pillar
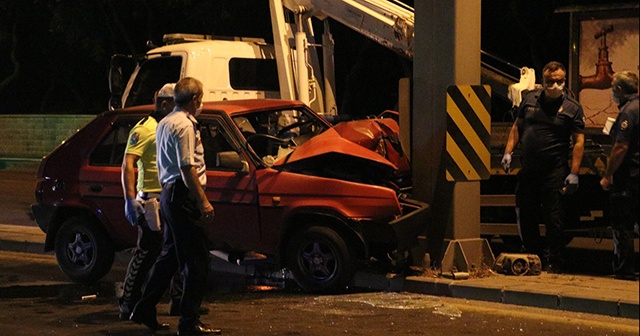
point(446, 52)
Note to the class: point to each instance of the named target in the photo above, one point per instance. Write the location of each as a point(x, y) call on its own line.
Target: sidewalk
point(577, 293)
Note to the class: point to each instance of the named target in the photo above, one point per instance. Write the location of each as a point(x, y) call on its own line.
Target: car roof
point(229, 107)
point(232, 107)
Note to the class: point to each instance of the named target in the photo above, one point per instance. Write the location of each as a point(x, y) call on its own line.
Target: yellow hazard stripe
point(461, 160)
point(477, 105)
point(449, 176)
point(465, 128)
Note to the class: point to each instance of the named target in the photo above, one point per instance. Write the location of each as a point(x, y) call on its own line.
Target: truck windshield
point(152, 75)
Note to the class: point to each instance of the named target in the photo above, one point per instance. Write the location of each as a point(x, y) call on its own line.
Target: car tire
point(83, 250)
point(320, 260)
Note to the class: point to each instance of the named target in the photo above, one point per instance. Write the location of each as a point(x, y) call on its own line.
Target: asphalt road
point(36, 300)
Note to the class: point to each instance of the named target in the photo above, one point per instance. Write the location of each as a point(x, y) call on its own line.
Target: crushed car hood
point(356, 150)
point(330, 145)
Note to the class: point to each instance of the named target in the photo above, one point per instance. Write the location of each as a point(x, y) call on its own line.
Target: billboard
point(603, 42)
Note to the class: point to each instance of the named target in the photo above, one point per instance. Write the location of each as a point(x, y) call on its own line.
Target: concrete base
point(467, 255)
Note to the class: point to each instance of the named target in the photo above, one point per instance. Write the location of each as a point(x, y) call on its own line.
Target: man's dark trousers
point(185, 247)
point(538, 199)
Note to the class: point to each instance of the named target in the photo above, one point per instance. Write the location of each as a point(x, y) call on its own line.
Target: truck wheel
point(83, 250)
point(319, 260)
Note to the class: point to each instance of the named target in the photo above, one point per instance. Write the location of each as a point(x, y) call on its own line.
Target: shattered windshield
point(274, 134)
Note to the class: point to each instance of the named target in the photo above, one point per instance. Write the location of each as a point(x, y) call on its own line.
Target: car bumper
point(43, 214)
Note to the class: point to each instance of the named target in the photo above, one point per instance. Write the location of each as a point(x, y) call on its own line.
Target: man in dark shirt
point(621, 176)
point(547, 123)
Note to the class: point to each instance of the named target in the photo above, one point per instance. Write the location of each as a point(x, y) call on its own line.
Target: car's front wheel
point(83, 250)
point(320, 260)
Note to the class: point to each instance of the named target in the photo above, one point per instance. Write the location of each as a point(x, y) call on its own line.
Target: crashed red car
point(311, 197)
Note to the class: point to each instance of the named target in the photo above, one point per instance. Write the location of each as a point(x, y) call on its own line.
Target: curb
point(18, 238)
point(484, 290)
point(12, 163)
point(551, 299)
point(22, 246)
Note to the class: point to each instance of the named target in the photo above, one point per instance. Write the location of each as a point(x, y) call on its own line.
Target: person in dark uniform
point(621, 175)
point(140, 194)
point(185, 209)
point(547, 123)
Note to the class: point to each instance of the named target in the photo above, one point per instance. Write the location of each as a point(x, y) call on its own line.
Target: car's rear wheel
point(83, 250)
point(320, 260)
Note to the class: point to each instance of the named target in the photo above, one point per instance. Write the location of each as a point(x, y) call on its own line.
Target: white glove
point(506, 162)
point(570, 184)
point(133, 209)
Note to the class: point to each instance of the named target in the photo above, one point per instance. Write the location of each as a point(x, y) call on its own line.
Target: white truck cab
point(229, 68)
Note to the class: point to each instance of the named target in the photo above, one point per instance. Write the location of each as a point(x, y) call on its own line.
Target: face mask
point(615, 98)
point(554, 91)
point(199, 110)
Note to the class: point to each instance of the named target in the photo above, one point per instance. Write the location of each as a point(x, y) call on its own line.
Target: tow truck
point(240, 68)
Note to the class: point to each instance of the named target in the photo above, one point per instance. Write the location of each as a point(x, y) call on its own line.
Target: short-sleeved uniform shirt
point(625, 129)
point(545, 130)
point(178, 144)
point(142, 142)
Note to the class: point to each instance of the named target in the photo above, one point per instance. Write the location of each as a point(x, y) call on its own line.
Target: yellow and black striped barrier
point(468, 133)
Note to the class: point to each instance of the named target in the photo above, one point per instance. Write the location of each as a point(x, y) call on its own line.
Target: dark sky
point(63, 47)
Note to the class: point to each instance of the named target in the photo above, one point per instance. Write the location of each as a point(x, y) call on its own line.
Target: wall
point(26, 138)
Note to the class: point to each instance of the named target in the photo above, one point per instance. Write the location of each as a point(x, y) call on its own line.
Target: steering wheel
point(287, 128)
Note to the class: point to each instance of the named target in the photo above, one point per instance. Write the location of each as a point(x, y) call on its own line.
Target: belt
point(147, 195)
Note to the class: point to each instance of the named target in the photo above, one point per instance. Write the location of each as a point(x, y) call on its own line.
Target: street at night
point(321, 167)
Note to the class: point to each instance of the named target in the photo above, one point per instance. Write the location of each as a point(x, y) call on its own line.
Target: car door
point(100, 186)
point(232, 193)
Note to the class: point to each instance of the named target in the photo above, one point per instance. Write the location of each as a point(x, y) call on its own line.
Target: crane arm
point(388, 22)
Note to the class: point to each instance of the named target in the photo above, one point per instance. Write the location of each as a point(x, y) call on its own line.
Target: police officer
point(621, 176)
point(546, 123)
point(184, 205)
point(141, 151)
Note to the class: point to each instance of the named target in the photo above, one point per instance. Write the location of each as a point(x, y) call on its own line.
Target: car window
point(215, 139)
point(275, 133)
point(253, 74)
point(110, 151)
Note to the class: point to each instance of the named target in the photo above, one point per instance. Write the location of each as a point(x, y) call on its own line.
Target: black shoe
point(125, 313)
point(625, 276)
point(148, 321)
point(174, 310)
point(199, 329)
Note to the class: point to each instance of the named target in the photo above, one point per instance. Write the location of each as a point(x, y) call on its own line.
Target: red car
point(312, 197)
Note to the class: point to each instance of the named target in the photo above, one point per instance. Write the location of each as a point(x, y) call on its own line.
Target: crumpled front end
point(409, 226)
point(364, 151)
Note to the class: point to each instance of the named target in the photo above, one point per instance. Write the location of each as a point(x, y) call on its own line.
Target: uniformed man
point(186, 209)
point(141, 152)
point(547, 122)
point(621, 176)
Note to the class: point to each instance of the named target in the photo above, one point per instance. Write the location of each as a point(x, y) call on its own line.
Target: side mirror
point(231, 160)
